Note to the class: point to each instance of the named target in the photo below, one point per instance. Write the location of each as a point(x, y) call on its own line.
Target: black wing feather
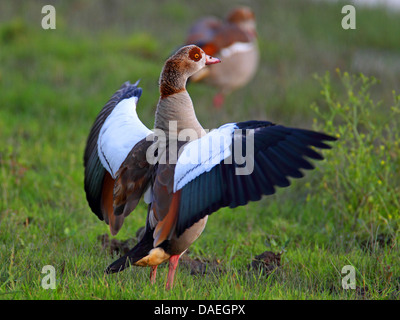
point(279, 154)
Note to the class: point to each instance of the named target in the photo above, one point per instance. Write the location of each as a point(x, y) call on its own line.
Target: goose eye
point(195, 54)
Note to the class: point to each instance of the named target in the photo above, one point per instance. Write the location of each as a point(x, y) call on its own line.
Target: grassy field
point(346, 212)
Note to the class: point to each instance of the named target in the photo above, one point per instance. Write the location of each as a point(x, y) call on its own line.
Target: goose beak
point(211, 60)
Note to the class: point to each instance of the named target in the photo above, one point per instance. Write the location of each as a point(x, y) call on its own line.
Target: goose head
point(180, 66)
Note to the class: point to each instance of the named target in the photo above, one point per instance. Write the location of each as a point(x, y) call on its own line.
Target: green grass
point(53, 84)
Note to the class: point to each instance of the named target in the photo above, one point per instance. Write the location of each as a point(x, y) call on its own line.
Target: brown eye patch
point(195, 54)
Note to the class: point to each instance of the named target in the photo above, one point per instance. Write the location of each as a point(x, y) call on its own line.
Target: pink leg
point(173, 263)
point(153, 274)
point(218, 100)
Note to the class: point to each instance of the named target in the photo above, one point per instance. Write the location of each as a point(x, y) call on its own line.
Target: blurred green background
point(111, 42)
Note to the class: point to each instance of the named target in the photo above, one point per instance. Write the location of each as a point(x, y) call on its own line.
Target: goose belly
point(181, 244)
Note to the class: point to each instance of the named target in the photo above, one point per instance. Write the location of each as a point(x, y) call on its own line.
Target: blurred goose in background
point(234, 41)
point(185, 180)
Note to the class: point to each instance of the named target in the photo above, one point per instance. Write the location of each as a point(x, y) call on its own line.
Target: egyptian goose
point(124, 160)
point(234, 41)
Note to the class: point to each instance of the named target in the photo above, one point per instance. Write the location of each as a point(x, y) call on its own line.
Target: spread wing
point(208, 177)
point(114, 134)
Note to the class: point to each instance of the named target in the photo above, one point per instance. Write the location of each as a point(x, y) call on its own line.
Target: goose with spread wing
point(183, 172)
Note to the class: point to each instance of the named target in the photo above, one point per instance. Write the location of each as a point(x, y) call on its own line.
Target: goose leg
point(218, 100)
point(153, 274)
point(173, 263)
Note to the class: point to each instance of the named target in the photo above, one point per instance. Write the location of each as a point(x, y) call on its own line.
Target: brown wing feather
point(166, 226)
point(162, 191)
point(107, 209)
point(228, 35)
point(132, 179)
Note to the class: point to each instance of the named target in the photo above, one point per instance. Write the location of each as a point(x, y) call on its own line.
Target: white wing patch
point(236, 48)
point(121, 131)
point(203, 154)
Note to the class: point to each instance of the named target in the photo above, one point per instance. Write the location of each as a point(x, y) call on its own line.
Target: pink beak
point(211, 60)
